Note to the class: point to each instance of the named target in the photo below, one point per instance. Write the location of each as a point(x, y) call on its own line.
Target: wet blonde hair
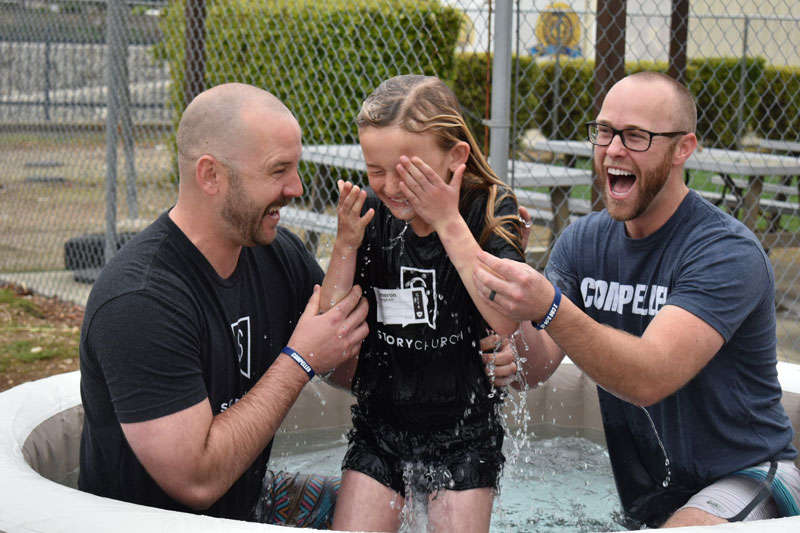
point(421, 104)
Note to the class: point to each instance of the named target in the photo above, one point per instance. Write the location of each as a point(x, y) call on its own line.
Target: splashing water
point(394, 241)
point(421, 485)
point(558, 484)
point(516, 416)
point(490, 368)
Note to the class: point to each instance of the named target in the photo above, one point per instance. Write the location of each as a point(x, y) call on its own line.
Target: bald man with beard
point(201, 332)
point(669, 306)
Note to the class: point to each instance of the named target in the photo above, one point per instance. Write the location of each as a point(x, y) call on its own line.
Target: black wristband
point(300, 361)
point(551, 313)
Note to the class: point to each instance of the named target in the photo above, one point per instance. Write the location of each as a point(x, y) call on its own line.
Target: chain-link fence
point(90, 93)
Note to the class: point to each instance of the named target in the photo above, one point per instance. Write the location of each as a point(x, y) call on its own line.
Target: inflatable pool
point(40, 426)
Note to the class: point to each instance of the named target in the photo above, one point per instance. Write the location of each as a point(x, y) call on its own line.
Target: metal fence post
point(114, 67)
point(740, 120)
point(500, 122)
point(47, 83)
point(126, 123)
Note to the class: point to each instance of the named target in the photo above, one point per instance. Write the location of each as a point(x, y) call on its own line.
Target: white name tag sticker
point(402, 306)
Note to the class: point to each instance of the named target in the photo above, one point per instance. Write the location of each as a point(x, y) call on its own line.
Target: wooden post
point(609, 61)
point(195, 52)
point(678, 31)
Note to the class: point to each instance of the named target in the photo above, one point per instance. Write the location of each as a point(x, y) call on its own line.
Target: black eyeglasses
point(635, 139)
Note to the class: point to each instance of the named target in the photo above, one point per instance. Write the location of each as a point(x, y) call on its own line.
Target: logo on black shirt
point(241, 343)
point(413, 303)
point(425, 304)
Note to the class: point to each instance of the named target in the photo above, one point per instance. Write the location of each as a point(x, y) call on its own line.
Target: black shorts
point(467, 456)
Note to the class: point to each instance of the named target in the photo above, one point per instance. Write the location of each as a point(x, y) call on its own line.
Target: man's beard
point(240, 213)
point(649, 185)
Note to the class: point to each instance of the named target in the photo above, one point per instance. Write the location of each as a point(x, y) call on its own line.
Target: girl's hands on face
point(432, 199)
point(351, 224)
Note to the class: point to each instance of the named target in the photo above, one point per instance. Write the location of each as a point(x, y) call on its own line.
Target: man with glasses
point(669, 307)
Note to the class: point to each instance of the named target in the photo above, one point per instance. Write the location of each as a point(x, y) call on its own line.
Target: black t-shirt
point(420, 367)
point(162, 332)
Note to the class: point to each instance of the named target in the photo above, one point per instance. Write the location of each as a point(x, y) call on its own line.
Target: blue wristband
point(300, 361)
point(551, 313)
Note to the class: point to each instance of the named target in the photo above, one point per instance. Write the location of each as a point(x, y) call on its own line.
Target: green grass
point(9, 298)
point(30, 351)
point(30, 340)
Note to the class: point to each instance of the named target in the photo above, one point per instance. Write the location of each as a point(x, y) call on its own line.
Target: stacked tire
point(85, 255)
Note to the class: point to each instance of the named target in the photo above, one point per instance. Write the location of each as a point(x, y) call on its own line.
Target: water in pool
point(556, 484)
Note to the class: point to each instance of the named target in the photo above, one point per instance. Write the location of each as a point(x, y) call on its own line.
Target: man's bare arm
point(195, 456)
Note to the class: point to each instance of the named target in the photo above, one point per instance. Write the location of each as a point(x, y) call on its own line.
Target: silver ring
point(492, 295)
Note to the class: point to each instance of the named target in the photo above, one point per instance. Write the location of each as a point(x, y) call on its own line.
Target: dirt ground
point(38, 336)
point(53, 188)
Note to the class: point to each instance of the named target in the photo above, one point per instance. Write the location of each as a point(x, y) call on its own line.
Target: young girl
point(426, 418)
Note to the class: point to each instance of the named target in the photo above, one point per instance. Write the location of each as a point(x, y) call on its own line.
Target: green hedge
point(338, 51)
point(336, 54)
point(715, 84)
point(713, 81)
point(575, 94)
point(535, 96)
point(778, 111)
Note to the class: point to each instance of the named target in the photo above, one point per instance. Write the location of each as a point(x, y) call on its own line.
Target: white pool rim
point(40, 434)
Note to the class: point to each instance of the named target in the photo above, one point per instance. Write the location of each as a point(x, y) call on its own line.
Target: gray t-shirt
point(727, 417)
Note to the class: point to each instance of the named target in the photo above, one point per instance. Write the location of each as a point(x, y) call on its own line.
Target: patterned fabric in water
point(297, 500)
